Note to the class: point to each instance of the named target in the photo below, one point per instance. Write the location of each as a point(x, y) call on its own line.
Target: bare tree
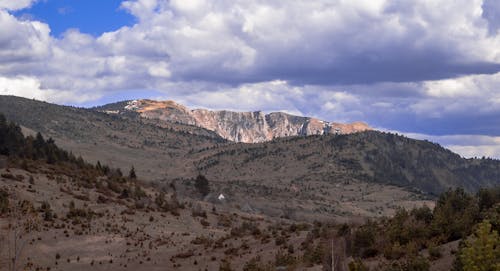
point(336, 258)
point(22, 222)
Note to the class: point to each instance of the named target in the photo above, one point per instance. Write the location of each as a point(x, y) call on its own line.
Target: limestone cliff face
point(248, 127)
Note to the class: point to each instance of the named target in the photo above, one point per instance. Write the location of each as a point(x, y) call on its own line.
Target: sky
point(424, 68)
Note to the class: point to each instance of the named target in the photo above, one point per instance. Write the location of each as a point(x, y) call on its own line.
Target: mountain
point(59, 212)
point(157, 150)
point(371, 156)
point(247, 127)
point(280, 172)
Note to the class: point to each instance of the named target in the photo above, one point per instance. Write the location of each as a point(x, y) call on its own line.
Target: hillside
point(247, 127)
point(154, 149)
point(59, 212)
point(372, 157)
point(366, 174)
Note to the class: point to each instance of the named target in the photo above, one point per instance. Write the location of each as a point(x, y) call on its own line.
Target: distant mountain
point(173, 149)
point(370, 156)
point(247, 127)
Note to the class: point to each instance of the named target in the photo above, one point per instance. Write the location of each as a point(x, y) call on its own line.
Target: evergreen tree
point(482, 252)
point(455, 214)
point(201, 184)
point(132, 174)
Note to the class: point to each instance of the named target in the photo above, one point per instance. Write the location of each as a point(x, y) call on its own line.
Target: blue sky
point(89, 16)
point(430, 69)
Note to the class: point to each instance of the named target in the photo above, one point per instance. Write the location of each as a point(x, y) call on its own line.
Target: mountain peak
point(248, 127)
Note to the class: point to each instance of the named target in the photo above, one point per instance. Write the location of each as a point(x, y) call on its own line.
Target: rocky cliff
point(248, 127)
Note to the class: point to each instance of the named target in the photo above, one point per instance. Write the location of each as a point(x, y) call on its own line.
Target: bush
point(314, 254)
point(364, 239)
point(254, 265)
point(435, 252)
point(284, 259)
point(417, 264)
point(423, 213)
point(357, 265)
point(47, 211)
point(202, 186)
point(132, 174)
point(488, 197)
point(4, 201)
point(455, 214)
point(245, 229)
point(394, 252)
point(225, 266)
point(410, 264)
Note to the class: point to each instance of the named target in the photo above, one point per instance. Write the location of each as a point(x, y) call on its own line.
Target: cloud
point(468, 146)
point(16, 4)
point(31, 87)
point(316, 42)
point(491, 12)
point(22, 43)
point(426, 66)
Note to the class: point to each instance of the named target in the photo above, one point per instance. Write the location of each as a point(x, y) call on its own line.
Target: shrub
point(132, 174)
point(423, 213)
point(435, 252)
point(410, 264)
point(364, 239)
point(4, 201)
point(357, 265)
point(254, 265)
point(284, 259)
point(417, 264)
point(314, 254)
point(202, 186)
point(455, 214)
point(394, 251)
point(139, 193)
point(47, 211)
point(225, 266)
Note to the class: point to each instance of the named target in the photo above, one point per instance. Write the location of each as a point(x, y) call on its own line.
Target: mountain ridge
point(169, 151)
point(247, 127)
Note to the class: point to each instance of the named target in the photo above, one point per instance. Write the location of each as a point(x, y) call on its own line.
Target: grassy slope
point(368, 156)
point(161, 150)
point(155, 151)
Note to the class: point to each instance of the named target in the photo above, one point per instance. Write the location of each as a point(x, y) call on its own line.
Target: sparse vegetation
point(139, 224)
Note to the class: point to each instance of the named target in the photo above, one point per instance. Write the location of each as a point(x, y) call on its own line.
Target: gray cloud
point(236, 42)
point(491, 12)
point(426, 66)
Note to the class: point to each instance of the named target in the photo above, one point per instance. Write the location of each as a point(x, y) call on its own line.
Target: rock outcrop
point(248, 127)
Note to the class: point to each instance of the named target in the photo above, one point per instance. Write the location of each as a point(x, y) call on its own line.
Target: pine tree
point(201, 184)
point(132, 174)
point(482, 252)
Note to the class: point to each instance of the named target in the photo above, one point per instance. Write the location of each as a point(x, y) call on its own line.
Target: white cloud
point(475, 94)
point(240, 42)
point(474, 151)
point(22, 42)
point(413, 66)
point(15, 4)
point(30, 87)
point(468, 146)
